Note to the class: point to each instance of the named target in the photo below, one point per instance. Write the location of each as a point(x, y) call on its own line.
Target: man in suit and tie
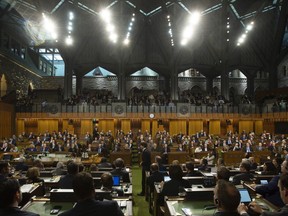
point(146, 161)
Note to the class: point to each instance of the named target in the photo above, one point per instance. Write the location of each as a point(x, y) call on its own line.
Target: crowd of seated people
point(149, 98)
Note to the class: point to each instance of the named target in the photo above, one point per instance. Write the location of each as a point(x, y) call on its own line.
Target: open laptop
point(245, 196)
point(116, 180)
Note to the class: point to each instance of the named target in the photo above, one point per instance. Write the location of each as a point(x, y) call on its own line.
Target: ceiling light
point(249, 27)
point(71, 15)
point(110, 27)
point(69, 40)
point(195, 18)
point(126, 41)
point(105, 15)
point(183, 42)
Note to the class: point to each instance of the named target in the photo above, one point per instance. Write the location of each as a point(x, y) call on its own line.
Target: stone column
point(79, 84)
point(68, 80)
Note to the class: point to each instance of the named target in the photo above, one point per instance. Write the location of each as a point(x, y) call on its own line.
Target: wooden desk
point(52, 182)
point(173, 206)
point(126, 156)
point(30, 190)
point(180, 156)
point(44, 206)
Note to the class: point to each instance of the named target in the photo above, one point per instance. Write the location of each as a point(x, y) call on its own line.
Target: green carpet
point(140, 207)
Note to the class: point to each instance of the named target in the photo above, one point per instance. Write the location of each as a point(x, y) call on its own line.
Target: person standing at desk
point(11, 196)
point(146, 161)
point(226, 199)
point(283, 188)
point(83, 187)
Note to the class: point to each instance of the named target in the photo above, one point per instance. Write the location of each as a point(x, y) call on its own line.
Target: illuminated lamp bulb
point(195, 18)
point(110, 28)
point(126, 41)
point(69, 40)
point(184, 42)
point(71, 15)
point(105, 15)
point(249, 27)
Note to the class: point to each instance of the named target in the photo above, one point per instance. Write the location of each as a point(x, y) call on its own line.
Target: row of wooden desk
point(44, 206)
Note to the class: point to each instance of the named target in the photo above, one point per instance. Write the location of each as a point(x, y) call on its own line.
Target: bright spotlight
point(238, 44)
point(113, 37)
point(71, 15)
point(133, 19)
point(195, 18)
point(110, 28)
point(105, 15)
point(243, 35)
point(249, 27)
point(188, 32)
point(184, 42)
point(54, 35)
point(70, 28)
point(126, 41)
point(241, 40)
point(69, 40)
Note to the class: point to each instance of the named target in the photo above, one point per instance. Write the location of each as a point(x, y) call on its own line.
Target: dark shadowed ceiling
point(150, 43)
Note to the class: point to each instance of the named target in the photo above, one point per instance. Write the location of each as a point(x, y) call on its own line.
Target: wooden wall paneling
point(154, 127)
point(31, 125)
point(173, 127)
point(246, 125)
point(20, 126)
point(258, 127)
point(146, 125)
point(195, 126)
point(177, 126)
point(268, 126)
point(106, 125)
point(214, 127)
point(126, 125)
point(86, 126)
point(47, 125)
point(7, 120)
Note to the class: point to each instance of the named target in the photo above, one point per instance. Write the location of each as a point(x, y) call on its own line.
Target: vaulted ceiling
point(150, 42)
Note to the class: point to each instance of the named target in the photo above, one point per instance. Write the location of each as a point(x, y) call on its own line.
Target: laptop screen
point(116, 180)
point(167, 178)
point(245, 196)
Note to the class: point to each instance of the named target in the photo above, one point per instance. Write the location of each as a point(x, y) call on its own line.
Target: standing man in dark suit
point(146, 161)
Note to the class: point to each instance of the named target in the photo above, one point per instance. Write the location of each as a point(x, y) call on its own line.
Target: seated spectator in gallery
point(155, 148)
point(66, 181)
point(120, 170)
point(244, 174)
point(93, 167)
point(10, 189)
point(83, 187)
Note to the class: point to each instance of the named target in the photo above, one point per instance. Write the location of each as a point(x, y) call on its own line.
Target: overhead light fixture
point(69, 40)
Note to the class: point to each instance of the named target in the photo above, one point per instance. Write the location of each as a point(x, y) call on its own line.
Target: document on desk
point(172, 209)
point(26, 188)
